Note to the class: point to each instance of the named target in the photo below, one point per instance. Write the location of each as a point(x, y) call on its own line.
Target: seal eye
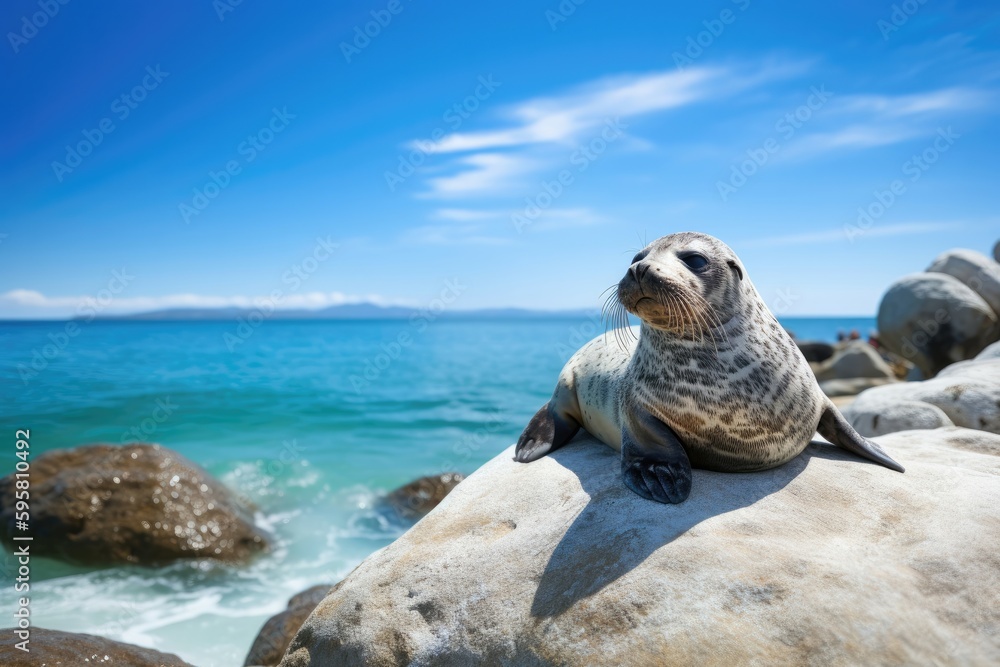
point(695, 261)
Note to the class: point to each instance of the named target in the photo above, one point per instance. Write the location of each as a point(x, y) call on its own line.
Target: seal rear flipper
point(835, 428)
point(546, 432)
point(654, 462)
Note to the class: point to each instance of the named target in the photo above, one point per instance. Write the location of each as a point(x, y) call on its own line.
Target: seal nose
point(638, 270)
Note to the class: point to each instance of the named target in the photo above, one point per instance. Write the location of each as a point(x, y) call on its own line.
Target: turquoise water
point(311, 420)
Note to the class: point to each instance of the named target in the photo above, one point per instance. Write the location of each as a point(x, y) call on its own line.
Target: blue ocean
point(313, 420)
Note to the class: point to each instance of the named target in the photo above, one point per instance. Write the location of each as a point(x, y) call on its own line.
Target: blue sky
point(200, 153)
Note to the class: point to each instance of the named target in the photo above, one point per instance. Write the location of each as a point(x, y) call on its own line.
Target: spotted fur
point(709, 361)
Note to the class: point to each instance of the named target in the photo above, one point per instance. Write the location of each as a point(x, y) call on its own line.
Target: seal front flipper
point(546, 432)
point(654, 463)
point(835, 428)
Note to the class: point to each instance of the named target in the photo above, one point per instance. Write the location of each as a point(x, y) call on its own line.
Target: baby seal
point(711, 380)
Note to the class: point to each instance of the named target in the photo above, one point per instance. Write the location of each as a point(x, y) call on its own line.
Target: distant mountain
point(351, 311)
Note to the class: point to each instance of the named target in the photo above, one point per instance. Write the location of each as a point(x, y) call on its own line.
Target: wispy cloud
point(498, 160)
point(468, 226)
point(481, 172)
point(35, 300)
point(833, 235)
point(857, 122)
point(559, 119)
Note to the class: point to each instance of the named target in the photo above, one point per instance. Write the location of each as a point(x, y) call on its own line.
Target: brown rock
point(139, 503)
point(278, 631)
point(421, 496)
point(54, 648)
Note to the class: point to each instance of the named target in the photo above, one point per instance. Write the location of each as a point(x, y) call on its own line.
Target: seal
point(709, 378)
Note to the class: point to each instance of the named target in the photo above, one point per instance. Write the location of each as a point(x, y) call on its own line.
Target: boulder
point(996, 251)
point(856, 359)
point(143, 504)
point(815, 351)
point(980, 273)
point(966, 394)
point(933, 319)
point(851, 386)
point(72, 649)
point(277, 633)
point(420, 496)
point(826, 560)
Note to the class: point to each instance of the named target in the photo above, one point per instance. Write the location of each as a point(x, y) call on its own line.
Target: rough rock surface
point(143, 504)
point(966, 394)
point(857, 359)
point(422, 495)
point(851, 386)
point(53, 648)
point(933, 320)
point(827, 560)
point(977, 271)
point(277, 633)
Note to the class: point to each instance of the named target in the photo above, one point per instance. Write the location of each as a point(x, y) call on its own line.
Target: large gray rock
point(966, 394)
point(933, 320)
point(138, 503)
point(53, 648)
point(827, 560)
point(980, 273)
point(856, 359)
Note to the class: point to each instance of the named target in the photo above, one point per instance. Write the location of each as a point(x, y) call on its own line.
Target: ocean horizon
point(314, 421)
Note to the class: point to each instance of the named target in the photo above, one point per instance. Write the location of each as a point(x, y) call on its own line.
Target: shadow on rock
point(630, 528)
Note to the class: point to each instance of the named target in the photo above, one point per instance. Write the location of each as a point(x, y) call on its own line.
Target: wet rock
point(933, 320)
point(421, 496)
point(139, 503)
point(53, 648)
point(278, 631)
point(826, 560)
